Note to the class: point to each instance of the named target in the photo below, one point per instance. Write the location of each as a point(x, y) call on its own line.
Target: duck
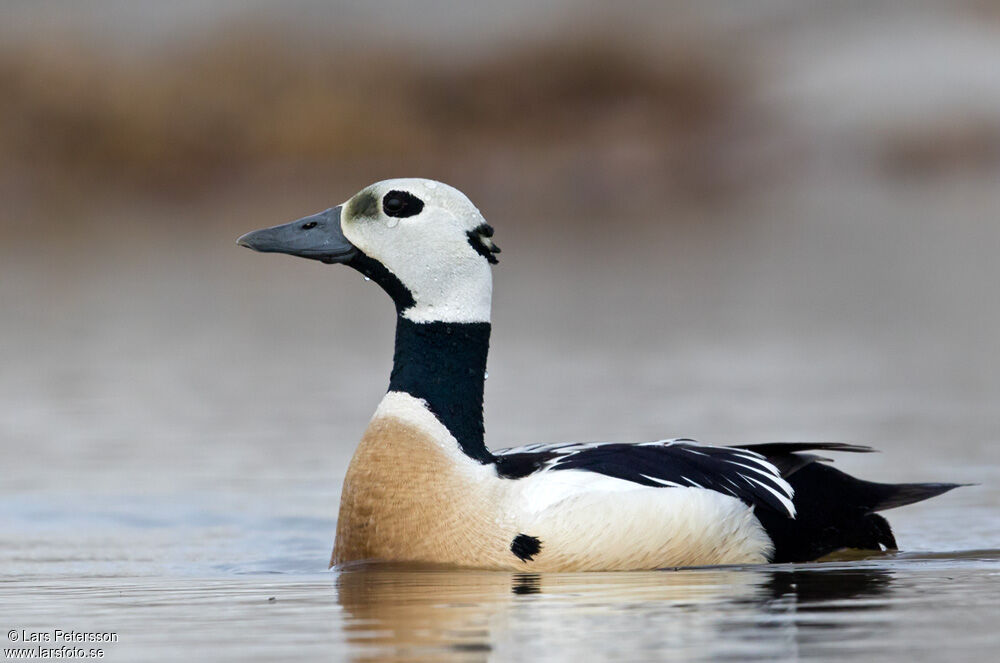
point(423, 488)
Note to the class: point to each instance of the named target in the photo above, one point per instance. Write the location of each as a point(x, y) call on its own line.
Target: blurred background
point(731, 221)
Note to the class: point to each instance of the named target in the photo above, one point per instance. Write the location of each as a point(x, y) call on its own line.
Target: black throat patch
point(376, 271)
point(444, 363)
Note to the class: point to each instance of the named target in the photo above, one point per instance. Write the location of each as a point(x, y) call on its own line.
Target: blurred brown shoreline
point(234, 110)
point(585, 123)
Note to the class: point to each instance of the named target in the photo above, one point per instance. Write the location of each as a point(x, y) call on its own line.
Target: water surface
point(176, 416)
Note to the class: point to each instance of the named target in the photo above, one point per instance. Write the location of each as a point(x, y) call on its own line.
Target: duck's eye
point(401, 204)
point(308, 226)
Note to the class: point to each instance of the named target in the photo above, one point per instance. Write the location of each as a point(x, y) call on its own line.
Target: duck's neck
point(444, 363)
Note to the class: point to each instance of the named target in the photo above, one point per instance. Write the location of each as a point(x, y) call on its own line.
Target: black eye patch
point(401, 204)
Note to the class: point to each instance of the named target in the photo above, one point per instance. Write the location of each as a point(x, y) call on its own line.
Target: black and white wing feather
point(742, 473)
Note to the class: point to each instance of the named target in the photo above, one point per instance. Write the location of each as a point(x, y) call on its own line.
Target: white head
point(423, 241)
point(423, 232)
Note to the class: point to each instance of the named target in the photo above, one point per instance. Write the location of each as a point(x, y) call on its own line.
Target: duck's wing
point(741, 473)
point(789, 458)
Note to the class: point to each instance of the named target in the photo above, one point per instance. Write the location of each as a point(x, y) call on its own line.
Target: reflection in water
point(760, 613)
point(528, 583)
point(812, 609)
point(814, 587)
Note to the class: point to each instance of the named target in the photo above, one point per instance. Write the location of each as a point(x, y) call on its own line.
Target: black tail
point(892, 495)
point(833, 509)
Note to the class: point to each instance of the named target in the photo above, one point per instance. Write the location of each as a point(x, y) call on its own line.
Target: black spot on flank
point(479, 239)
point(401, 204)
point(525, 547)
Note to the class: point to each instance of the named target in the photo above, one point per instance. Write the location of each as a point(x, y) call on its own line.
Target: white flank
point(585, 518)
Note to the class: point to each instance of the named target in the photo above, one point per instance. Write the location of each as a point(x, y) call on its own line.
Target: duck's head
point(424, 242)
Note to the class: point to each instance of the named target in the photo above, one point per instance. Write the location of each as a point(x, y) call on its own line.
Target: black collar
point(444, 363)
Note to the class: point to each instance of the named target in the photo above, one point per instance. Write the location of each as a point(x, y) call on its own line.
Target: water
point(176, 416)
point(922, 607)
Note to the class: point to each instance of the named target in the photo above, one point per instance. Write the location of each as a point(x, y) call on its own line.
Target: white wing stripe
point(771, 472)
point(774, 476)
point(662, 482)
point(784, 499)
point(693, 483)
point(763, 462)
